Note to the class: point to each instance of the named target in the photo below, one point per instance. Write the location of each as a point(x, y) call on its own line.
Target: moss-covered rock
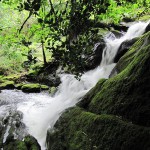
point(33, 88)
point(44, 87)
point(7, 85)
point(13, 77)
point(52, 90)
point(18, 86)
point(45, 74)
point(88, 97)
point(124, 47)
point(127, 94)
point(15, 145)
point(81, 130)
point(144, 17)
point(29, 143)
point(115, 114)
point(126, 59)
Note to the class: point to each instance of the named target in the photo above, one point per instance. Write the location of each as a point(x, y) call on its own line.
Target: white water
point(41, 111)
point(113, 43)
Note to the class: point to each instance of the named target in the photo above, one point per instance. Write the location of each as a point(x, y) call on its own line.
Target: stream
point(40, 111)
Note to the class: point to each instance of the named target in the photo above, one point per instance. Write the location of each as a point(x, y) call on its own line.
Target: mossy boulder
point(1, 79)
point(13, 77)
point(117, 33)
point(115, 114)
point(87, 98)
point(44, 87)
point(124, 47)
point(81, 130)
point(29, 143)
point(126, 59)
point(18, 86)
point(144, 17)
point(45, 74)
point(52, 90)
point(33, 88)
point(127, 94)
point(94, 59)
point(7, 85)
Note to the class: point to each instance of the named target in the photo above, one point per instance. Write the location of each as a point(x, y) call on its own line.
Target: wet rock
point(124, 47)
point(128, 19)
point(44, 87)
point(94, 59)
point(13, 77)
point(53, 90)
point(45, 75)
point(2, 131)
point(29, 143)
point(7, 85)
point(18, 86)
point(117, 34)
point(33, 88)
point(113, 72)
point(147, 29)
point(11, 131)
point(120, 27)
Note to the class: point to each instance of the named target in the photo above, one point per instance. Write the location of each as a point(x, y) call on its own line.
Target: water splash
point(113, 43)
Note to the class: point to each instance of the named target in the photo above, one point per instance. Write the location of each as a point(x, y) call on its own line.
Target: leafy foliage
point(63, 28)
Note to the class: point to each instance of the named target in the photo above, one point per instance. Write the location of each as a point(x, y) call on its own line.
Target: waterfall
point(41, 111)
point(113, 43)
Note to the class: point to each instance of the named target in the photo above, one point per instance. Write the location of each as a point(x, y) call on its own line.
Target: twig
point(30, 14)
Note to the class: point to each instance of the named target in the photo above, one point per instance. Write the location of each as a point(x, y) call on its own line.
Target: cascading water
point(41, 111)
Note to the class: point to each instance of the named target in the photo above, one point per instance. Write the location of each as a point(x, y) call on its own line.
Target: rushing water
point(41, 111)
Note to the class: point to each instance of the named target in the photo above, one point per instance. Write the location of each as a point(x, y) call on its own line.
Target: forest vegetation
point(41, 39)
point(36, 32)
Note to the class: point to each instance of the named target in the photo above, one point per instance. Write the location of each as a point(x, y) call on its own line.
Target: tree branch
point(52, 7)
point(30, 14)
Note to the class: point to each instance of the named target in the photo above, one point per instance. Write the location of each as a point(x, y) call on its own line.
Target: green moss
point(15, 145)
point(44, 87)
point(2, 79)
point(88, 97)
point(21, 146)
point(19, 86)
point(31, 143)
point(52, 90)
point(81, 130)
point(32, 74)
point(114, 114)
point(132, 53)
point(144, 18)
point(31, 88)
point(127, 94)
point(13, 77)
point(7, 85)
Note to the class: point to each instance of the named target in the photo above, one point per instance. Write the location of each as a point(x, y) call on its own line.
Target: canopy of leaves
point(65, 27)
